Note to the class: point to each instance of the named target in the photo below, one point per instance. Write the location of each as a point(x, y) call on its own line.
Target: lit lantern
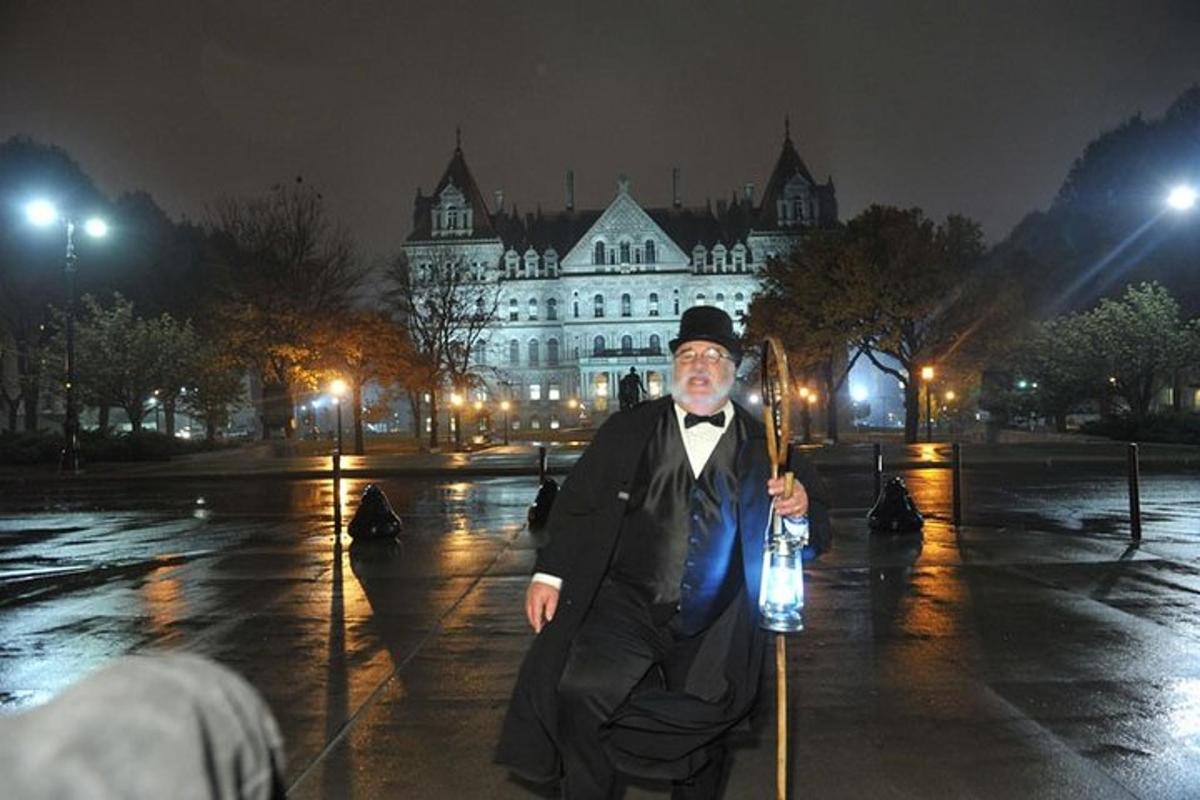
point(781, 597)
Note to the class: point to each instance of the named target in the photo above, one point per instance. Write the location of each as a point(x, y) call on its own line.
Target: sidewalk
point(267, 460)
point(987, 662)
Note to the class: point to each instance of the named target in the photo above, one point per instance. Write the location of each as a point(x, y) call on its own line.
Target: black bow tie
point(691, 419)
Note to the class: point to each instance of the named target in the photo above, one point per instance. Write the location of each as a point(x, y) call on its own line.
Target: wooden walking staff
point(781, 596)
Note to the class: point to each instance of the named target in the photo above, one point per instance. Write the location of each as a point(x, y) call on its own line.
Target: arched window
point(626, 306)
point(480, 308)
point(739, 304)
point(533, 308)
point(551, 309)
point(575, 305)
point(598, 253)
point(700, 299)
point(655, 344)
point(651, 253)
point(514, 310)
point(552, 354)
point(721, 300)
point(625, 252)
point(480, 353)
point(534, 357)
point(514, 352)
point(652, 306)
point(598, 346)
point(598, 306)
point(626, 345)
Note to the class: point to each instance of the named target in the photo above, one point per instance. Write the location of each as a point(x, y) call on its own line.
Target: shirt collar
point(680, 413)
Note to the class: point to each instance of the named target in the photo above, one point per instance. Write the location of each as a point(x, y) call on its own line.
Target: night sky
point(935, 104)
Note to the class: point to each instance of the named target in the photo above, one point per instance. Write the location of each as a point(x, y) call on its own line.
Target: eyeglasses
point(709, 355)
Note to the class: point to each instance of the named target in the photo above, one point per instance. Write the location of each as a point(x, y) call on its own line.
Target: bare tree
point(284, 266)
point(448, 310)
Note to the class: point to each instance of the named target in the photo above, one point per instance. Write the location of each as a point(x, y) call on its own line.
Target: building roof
point(787, 167)
point(460, 175)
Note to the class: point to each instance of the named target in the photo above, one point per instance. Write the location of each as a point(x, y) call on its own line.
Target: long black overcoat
point(656, 733)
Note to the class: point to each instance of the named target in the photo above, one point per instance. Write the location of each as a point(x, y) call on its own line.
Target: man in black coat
point(645, 596)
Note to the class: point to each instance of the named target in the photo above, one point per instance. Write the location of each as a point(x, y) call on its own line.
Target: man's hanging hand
point(541, 601)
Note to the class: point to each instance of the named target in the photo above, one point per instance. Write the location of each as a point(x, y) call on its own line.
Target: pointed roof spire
point(787, 127)
point(458, 138)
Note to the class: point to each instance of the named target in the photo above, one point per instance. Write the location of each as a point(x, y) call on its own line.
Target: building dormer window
point(718, 258)
point(739, 257)
point(531, 263)
point(651, 252)
point(511, 262)
point(550, 259)
point(598, 253)
point(625, 253)
point(451, 215)
point(699, 254)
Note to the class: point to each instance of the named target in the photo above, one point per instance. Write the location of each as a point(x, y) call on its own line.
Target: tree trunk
point(1177, 391)
point(358, 420)
point(169, 415)
point(210, 430)
point(414, 405)
point(831, 405)
point(29, 402)
point(135, 414)
point(433, 420)
point(105, 418)
point(912, 411)
point(1060, 421)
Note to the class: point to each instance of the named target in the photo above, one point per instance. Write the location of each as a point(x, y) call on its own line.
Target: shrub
point(1174, 428)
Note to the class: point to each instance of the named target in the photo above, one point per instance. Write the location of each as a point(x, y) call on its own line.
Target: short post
point(1135, 500)
point(956, 467)
point(877, 467)
point(541, 464)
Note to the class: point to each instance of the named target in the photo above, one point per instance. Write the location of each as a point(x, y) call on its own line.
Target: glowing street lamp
point(1182, 198)
point(505, 406)
point(43, 213)
point(927, 376)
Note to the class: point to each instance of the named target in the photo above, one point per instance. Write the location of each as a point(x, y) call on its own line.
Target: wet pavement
point(1032, 652)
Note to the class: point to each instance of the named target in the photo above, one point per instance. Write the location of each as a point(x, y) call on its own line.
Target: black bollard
point(539, 510)
point(375, 520)
point(1135, 498)
point(956, 467)
point(877, 455)
point(895, 511)
point(541, 465)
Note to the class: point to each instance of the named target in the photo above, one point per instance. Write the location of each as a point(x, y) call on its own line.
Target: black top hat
point(708, 324)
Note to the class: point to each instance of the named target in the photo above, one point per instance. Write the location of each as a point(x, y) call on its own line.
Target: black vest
point(678, 540)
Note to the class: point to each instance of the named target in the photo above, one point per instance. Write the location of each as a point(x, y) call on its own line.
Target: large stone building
point(585, 294)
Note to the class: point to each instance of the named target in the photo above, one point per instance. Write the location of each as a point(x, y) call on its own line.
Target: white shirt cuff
point(552, 581)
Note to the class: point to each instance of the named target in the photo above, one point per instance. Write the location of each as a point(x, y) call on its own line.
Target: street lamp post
point(43, 213)
point(338, 389)
point(505, 406)
point(927, 376)
point(456, 402)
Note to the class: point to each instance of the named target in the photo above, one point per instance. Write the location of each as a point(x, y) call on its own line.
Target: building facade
point(583, 295)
